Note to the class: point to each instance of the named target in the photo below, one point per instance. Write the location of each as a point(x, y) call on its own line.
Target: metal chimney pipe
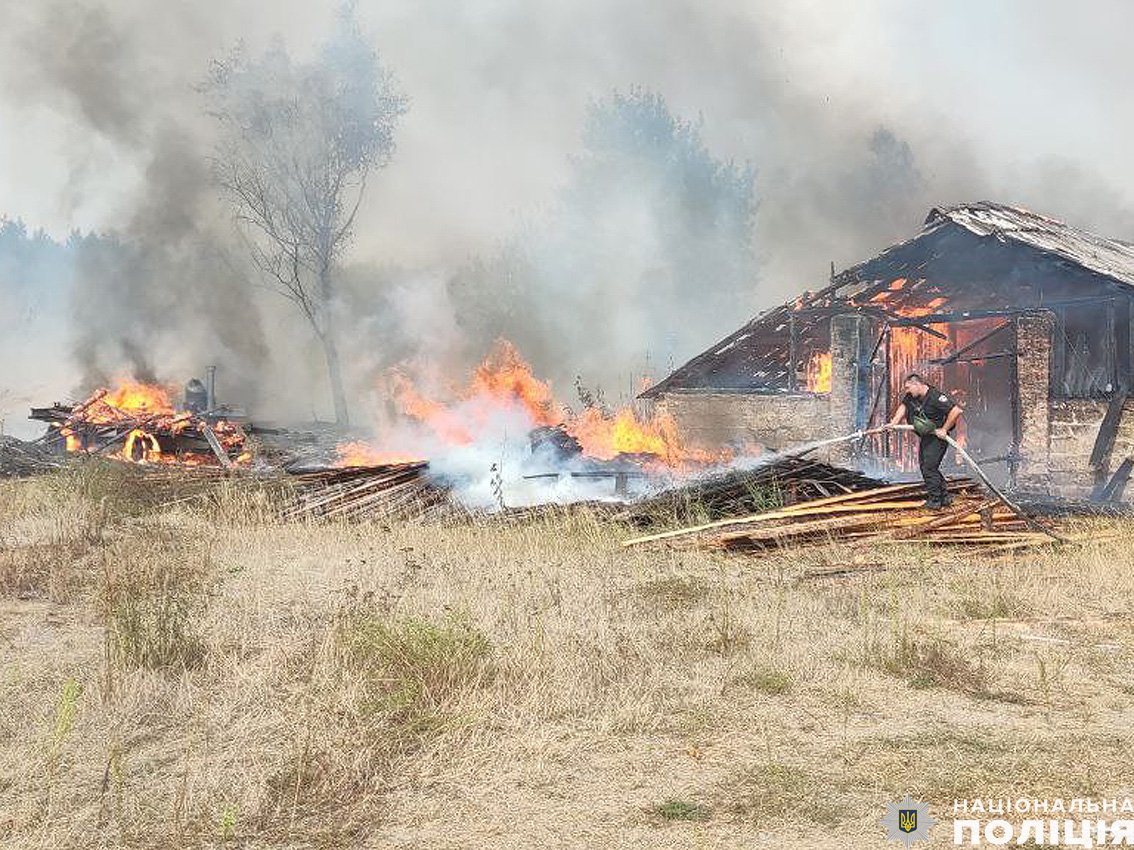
point(211, 386)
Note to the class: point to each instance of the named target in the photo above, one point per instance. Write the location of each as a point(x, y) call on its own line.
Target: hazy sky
point(498, 88)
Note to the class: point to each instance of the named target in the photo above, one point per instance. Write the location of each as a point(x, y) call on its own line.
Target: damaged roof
point(1111, 258)
point(959, 250)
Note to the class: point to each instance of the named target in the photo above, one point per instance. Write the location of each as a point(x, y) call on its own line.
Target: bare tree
point(297, 144)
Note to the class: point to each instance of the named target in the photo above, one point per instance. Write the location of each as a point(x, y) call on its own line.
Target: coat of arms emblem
point(908, 821)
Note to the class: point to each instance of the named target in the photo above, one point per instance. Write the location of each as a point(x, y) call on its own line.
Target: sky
point(498, 90)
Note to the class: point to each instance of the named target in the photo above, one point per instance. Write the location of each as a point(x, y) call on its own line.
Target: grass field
point(203, 675)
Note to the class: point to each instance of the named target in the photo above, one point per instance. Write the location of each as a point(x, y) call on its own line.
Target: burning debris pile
point(503, 395)
point(138, 422)
point(504, 440)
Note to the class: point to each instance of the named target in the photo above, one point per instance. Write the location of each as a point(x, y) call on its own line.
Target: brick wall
point(1057, 436)
point(1033, 373)
point(728, 420)
point(852, 341)
point(1074, 427)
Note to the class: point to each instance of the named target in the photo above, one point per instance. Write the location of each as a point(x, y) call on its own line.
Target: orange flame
point(606, 437)
point(137, 398)
point(885, 298)
point(141, 447)
point(819, 372)
point(71, 440)
point(505, 375)
point(439, 418)
point(359, 453)
point(505, 382)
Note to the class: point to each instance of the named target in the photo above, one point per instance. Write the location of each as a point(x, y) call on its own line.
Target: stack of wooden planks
point(388, 491)
point(786, 481)
point(18, 458)
point(891, 514)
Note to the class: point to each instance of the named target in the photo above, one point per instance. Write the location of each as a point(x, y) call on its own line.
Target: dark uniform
point(935, 406)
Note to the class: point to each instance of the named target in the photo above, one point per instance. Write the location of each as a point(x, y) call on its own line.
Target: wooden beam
point(1114, 489)
point(861, 500)
point(793, 354)
point(1110, 347)
point(217, 448)
point(906, 321)
point(980, 358)
point(1108, 429)
point(865, 495)
point(951, 517)
point(952, 358)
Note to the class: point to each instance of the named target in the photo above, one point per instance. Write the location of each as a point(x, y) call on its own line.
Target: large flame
point(446, 424)
point(606, 437)
point(134, 398)
point(502, 384)
point(506, 376)
point(504, 388)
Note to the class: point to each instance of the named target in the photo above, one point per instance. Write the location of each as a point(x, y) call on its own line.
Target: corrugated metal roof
point(1110, 257)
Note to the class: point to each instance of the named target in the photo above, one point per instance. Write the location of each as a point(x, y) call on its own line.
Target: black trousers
point(930, 454)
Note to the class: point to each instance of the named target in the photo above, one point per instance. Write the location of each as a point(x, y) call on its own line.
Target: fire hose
point(1031, 521)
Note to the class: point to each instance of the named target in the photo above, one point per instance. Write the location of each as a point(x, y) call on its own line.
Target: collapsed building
point(1024, 319)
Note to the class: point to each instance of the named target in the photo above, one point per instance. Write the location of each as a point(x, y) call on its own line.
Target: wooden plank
point(1116, 487)
point(950, 517)
point(218, 449)
point(810, 528)
point(864, 496)
point(1108, 429)
point(960, 352)
point(868, 529)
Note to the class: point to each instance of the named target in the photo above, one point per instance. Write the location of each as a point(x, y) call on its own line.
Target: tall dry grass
point(203, 675)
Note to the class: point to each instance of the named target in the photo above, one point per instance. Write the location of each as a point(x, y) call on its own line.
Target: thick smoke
point(169, 293)
point(162, 290)
point(855, 118)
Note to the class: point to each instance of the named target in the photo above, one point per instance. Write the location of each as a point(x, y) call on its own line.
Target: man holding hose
point(933, 415)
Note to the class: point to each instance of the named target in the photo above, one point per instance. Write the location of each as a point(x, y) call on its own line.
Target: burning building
point(1026, 320)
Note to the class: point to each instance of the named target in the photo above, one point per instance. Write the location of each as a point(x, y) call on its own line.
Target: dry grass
point(201, 675)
